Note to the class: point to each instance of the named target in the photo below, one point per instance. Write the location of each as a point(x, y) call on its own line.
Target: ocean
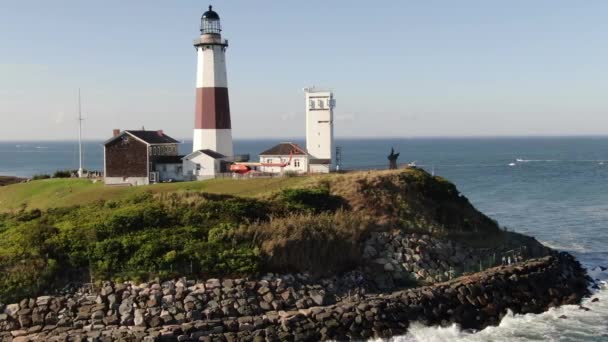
point(555, 189)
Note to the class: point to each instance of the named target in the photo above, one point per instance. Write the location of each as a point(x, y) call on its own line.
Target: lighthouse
point(212, 128)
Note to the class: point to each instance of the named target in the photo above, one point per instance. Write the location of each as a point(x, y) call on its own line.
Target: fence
point(508, 257)
point(233, 175)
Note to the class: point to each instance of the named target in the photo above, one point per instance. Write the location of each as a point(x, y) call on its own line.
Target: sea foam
point(585, 322)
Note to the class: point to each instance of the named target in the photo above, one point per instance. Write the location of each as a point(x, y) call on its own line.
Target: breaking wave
point(586, 322)
point(570, 247)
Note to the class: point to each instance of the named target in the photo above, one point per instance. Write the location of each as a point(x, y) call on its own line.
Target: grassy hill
point(62, 228)
point(65, 192)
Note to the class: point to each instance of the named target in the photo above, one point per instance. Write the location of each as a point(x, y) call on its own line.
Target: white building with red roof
point(284, 157)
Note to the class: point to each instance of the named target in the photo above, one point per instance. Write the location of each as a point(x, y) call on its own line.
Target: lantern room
point(210, 22)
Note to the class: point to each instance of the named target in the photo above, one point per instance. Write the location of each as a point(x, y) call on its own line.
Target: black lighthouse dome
point(210, 22)
point(210, 14)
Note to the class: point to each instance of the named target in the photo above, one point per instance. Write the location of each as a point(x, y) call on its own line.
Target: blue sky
point(398, 68)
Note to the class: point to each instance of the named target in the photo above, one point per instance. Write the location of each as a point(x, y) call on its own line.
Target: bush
point(313, 200)
point(29, 215)
point(143, 236)
point(41, 176)
point(290, 174)
point(62, 174)
point(223, 209)
point(315, 243)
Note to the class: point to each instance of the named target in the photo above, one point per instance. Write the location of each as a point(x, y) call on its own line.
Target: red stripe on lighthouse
point(212, 108)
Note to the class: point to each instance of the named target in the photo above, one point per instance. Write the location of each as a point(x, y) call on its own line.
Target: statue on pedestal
point(392, 159)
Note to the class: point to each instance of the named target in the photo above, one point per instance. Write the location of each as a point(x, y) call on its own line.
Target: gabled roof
point(153, 137)
point(213, 154)
point(284, 149)
point(148, 137)
point(210, 153)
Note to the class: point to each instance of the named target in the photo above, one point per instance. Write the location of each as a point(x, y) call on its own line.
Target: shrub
point(41, 176)
point(224, 209)
point(29, 215)
point(62, 174)
point(313, 200)
point(290, 174)
point(316, 243)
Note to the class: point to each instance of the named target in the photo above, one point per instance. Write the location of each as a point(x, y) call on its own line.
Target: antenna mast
point(80, 170)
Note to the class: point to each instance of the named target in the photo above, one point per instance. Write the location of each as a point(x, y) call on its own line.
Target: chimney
point(160, 132)
point(115, 132)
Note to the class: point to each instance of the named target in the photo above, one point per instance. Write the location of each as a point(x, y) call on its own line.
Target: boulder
point(138, 318)
point(213, 283)
point(125, 308)
point(11, 310)
point(369, 252)
point(43, 300)
point(318, 297)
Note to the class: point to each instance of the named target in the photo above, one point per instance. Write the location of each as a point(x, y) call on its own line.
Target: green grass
point(54, 193)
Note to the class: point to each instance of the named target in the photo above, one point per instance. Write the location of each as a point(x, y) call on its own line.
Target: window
point(164, 168)
point(269, 161)
point(312, 104)
point(320, 102)
point(296, 163)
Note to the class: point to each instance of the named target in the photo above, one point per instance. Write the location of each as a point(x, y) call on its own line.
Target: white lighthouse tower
point(320, 129)
point(212, 127)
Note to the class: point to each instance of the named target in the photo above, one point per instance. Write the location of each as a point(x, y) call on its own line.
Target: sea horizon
point(515, 136)
point(437, 153)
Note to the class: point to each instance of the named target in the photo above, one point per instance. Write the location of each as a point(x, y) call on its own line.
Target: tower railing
point(210, 40)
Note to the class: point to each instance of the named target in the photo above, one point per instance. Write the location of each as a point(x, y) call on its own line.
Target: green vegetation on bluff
point(8, 180)
point(215, 228)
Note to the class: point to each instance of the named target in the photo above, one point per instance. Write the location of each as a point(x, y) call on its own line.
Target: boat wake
point(519, 160)
point(598, 161)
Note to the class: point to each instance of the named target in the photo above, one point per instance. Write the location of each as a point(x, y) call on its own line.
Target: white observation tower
point(212, 128)
point(320, 129)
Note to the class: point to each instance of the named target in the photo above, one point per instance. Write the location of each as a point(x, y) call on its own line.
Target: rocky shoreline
point(288, 308)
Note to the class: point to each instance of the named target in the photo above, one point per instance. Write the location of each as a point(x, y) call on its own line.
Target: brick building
point(141, 157)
